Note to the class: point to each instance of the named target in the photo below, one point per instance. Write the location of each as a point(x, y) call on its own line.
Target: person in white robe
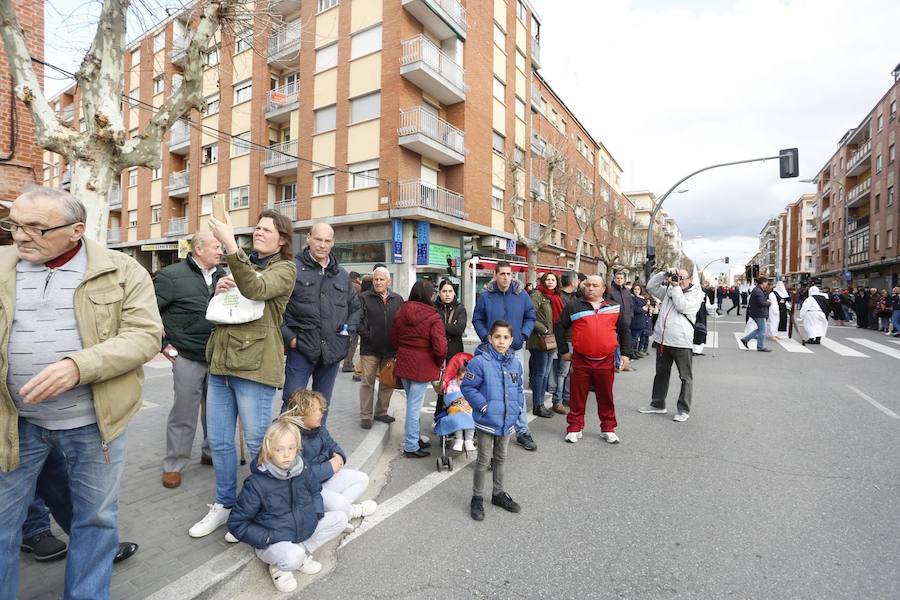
point(778, 322)
point(813, 319)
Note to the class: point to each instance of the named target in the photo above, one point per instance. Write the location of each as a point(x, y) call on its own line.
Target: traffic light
point(469, 246)
point(789, 163)
point(726, 260)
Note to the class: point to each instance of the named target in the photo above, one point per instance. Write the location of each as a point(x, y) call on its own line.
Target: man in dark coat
point(621, 295)
point(354, 337)
point(320, 316)
point(379, 305)
point(758, 310)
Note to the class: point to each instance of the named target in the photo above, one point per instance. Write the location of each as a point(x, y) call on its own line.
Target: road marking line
point(792, 345)
point(752, 343)
point(841, 349)
point(875, 403)
point(895, 341)
point(877, 347)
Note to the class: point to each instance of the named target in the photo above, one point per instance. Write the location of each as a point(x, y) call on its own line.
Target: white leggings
point(467, 434)
point(287, 556)
point(343, 489)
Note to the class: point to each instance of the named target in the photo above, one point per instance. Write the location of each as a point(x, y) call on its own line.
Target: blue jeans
point(559, 381)
point(539, 363)
point(51, 496)
point(415, 395)
point(297, 371)
point(93, 481)
point(227, 399)
point(522, 421)
point(759, 334)
point(617, 357)
point(895, 320)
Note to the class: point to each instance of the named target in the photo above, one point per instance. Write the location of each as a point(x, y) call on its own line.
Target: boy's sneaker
point(470, 445)
point(45, 546)
point(457, 445)
point(215, 518)
point(363, 509)
point(681, 417)
point(310, 566)
point(526, 441)
point(230, 538)
point(610, 437)
point(282, 580)
point(652, 410)
point(505, 502)
point(573, 436)
point(476, 508)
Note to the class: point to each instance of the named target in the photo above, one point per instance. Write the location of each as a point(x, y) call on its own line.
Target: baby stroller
point(455, 413)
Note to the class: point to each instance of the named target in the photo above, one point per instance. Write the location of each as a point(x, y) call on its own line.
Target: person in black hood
point(321, 314)
point(453, 314)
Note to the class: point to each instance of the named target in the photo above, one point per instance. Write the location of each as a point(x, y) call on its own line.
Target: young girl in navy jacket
point(280, 510)
point(492, 385)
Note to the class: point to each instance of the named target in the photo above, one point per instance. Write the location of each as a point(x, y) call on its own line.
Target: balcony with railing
point(443, 18)
point(180, 138)
point(286, 207)
point(281, 159)
point(283, 7)
point(177, 226)
point(424, 132)
point(281, 101)
point(858, 224)
point(431, 69)
point(859, 193)
point(536, 53)
point(826, 214)
point(115, 197)
point(420, 194)
point(536, 104)
point(179, 49)
point(284, 45)
point(179, 184)
point(114, 235)
point(858, 162)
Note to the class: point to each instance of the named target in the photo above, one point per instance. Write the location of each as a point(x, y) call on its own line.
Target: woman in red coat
point(418, 335)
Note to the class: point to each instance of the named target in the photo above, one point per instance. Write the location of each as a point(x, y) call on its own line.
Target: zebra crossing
point(793, 346)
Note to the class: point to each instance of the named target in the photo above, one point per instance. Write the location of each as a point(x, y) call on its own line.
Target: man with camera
point(673, 338)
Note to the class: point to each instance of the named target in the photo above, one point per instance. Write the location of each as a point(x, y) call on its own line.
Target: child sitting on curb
point(280, 510)
point(325, 458)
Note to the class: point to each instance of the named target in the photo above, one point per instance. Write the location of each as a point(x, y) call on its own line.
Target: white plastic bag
point(232, 308)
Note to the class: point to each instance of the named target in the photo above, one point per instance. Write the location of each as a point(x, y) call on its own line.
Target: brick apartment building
point(403, 124)
point(20, 157)
point(797, 246)
point(857, 199)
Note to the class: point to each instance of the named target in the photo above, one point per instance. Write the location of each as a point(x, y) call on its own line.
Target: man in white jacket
point(673, 338)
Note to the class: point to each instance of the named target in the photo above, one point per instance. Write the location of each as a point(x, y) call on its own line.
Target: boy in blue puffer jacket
point(280, 510)
point(493, 387)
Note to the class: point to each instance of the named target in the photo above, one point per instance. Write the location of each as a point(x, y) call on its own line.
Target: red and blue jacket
point(596, 332)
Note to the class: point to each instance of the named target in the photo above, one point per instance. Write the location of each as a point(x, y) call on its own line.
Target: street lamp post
point(715, 301)
point(845, 244)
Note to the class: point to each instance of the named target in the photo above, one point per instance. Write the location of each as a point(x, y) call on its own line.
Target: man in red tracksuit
point(597, 328)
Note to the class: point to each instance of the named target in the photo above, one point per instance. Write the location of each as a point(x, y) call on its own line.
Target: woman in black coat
point(453, 315)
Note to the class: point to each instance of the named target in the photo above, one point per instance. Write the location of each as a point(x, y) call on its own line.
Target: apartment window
point(498, 142)
point(212, 105)
point(209, 154)
point(156, 174)
point(878, 164)
point(206, 202)
point(326, 58)
point(499, 37)
point(893, 109)
point(132, 218)
point(365, 108)
point(519, 156)
point(499, 90)
point(520, 208)
point(876, 241)
point(323, 183)
point(890, 238)
point(325, 119)
point(520, 108)
point(496, 198)
point(289, 192)
point(365, 42)
point(240, 144)
point(326, 4)
point(132, 177)
point(364, 175)
point(136, 57)
point(240, 197)
point(520, 61)
point(159, 84)
point(155, 212)
point(243, 41)
point(134, 96)
point(212, 56)
point(892, 155)
point(159, 42)
point(880, 121)
point(890, 198)
point(243, 91)
point(521, 11)
point(877, 205)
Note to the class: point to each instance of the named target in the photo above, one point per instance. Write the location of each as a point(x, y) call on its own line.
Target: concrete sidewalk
point(170, 564)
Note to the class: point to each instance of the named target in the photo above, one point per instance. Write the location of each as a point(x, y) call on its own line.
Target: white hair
point(70, 208)
point(383, 270)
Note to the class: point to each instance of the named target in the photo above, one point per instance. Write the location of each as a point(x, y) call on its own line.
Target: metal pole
point(715, 302)
point(462, 272)
point(651, 247)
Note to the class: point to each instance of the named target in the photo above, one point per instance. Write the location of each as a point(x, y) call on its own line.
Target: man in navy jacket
point(758, 310)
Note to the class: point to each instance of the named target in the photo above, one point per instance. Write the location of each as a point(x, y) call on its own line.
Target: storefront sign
point(510, 246)
point(423, 231)
point(158, 247)
point(184, 246)
point(438, 253)
point(397, 225)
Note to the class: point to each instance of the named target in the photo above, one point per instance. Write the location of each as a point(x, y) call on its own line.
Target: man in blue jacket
point(758, 310)
point(504, 299)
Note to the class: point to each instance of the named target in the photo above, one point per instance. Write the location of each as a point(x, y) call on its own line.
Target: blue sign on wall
point(422, 242)
point(398, 240)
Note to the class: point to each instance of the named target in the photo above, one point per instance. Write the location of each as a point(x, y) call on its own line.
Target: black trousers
point(683, 359)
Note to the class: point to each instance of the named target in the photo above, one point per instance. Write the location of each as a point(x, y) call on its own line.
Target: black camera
point(673, 277)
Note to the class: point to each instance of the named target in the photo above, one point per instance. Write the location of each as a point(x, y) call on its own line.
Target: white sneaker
point(364, 509)
point(457, 445)
point(230, 538)
point(282, 580)
point(681, 417)
point(610, 437)
point(215, 518)
point(310, 566)
point(470, 446)
point(349, 528)
point(573, 436)
point(652, 410)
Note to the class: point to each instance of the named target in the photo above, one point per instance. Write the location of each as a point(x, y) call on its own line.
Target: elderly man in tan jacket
point(77, 322)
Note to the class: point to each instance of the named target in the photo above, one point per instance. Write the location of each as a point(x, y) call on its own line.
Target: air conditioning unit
point(492, 241)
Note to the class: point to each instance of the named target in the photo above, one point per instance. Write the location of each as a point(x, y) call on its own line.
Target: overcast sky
point(670, 86)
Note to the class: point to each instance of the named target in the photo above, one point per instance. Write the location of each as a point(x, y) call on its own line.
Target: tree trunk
point(578, 252)
point(91, 182)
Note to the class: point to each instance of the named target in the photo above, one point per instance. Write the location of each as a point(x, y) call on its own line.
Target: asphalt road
point(783, 484)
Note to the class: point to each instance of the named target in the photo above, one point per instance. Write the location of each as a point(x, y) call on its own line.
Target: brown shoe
point(365, 424)
point(171, 479)
point(559, 409)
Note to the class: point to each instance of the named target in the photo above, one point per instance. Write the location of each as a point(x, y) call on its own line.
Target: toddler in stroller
point(456, 415)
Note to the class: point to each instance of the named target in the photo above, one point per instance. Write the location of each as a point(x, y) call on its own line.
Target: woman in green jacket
point(246, 360)
point(548, 305)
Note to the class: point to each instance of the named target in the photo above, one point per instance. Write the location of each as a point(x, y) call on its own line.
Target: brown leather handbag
point(547, 342)
point(387, 378)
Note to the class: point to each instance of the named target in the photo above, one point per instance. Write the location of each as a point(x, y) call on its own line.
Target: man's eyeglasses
point(30, 230)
